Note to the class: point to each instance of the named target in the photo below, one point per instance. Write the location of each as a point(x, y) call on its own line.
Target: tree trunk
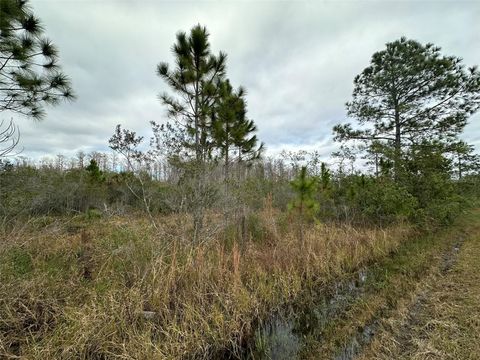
point(398, 143)
point(459, 168)
point(300, 224)
point(198, 154)
point(226, 160)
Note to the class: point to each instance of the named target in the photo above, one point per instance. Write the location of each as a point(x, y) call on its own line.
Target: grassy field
point(101, 288)
point(115, 288)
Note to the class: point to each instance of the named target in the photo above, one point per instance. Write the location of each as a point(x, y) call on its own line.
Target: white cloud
point(297, 61)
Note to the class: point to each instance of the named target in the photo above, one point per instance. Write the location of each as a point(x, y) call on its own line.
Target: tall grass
point(114, 287)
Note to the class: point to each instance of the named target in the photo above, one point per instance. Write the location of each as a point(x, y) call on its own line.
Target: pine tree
point(194, 80)
point(231, 130)
point(30, 76)
point(465, 160)
point(409, 94)
point(305, 204)
point(325, 176)
point(96, 175)
point(305, 187)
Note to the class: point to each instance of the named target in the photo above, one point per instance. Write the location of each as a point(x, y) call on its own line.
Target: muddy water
point(282, 335)
point(354, 346)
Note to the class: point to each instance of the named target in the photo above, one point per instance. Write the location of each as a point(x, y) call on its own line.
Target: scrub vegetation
point(182, 245)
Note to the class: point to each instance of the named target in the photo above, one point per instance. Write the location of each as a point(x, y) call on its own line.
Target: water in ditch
point(282, 335)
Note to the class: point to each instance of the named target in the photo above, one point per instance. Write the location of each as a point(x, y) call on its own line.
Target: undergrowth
point(98, 288)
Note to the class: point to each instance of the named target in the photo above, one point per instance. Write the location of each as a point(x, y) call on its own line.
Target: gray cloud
point(296, 59)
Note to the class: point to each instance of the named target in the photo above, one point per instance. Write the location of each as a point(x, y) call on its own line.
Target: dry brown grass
point(123, 290)
point(441, 318)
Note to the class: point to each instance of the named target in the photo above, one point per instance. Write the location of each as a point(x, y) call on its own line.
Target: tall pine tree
point(232, 131)
point(410, 94)
point(194, 80)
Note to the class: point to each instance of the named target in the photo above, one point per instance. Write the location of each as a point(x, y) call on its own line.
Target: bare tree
point(60, 162)
point(126, 142)
point(9, 138)
point(81, 159)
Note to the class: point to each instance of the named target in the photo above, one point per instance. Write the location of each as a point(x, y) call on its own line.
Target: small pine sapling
point(305, 204)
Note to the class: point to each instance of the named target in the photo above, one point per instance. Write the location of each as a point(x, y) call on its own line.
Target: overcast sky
point(296, 59)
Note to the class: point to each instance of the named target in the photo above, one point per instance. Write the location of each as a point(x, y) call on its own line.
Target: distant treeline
point(435, 195)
